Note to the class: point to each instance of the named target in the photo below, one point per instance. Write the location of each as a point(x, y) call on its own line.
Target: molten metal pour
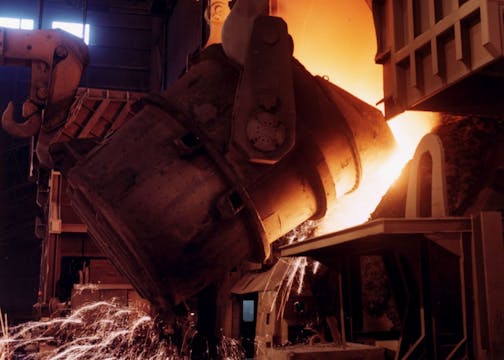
point(243, 148)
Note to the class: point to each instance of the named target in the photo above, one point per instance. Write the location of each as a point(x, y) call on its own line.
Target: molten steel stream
point(337, 39)
point(332, 38)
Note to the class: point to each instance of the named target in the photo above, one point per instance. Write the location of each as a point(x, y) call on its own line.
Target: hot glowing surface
point(355, 208)
point(337, 38)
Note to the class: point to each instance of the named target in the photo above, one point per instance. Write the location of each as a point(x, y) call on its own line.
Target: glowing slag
point(101, 330)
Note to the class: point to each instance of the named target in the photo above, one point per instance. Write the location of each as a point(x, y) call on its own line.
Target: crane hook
point(25, 129)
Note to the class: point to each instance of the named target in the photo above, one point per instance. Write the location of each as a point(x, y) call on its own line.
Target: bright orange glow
point(336, 38)
point(409, 127)
point(355, 208)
